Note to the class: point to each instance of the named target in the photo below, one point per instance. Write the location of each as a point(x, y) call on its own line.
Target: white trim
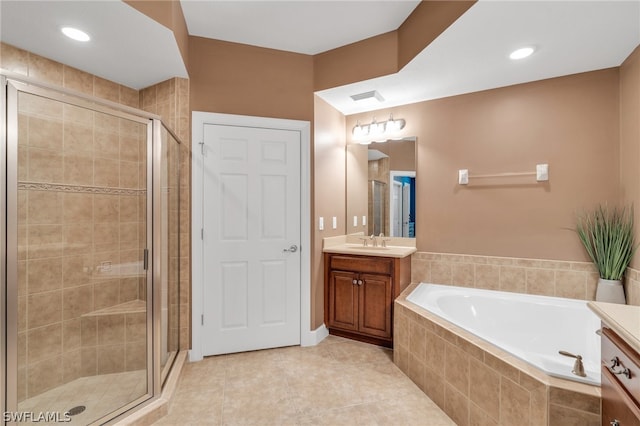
point(199, 118)
point(314, 337)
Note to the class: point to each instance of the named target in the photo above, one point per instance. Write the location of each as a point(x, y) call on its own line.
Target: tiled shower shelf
point(132, 307)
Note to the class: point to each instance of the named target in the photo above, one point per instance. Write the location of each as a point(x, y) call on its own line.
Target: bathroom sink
point(361, 247)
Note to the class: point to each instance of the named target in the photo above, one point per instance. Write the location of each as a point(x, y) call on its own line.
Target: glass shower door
point(76, 260)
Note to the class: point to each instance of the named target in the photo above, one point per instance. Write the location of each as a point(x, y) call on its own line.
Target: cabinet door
point(343, 300)
point(614, 406)
point(375, 305)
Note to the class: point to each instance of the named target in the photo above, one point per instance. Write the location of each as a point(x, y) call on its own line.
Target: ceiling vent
point(368, 96)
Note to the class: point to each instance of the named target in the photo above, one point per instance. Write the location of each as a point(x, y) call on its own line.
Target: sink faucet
point(373, 239)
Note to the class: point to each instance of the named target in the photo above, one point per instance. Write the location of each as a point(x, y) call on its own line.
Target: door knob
point(292, 249)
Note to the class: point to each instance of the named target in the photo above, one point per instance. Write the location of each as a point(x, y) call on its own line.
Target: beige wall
point(329, 197)
point(630, 136)
point(235, 78)
point(571, 123)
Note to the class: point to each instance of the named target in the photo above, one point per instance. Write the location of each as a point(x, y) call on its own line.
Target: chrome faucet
point(578, 368)
point(373, 239)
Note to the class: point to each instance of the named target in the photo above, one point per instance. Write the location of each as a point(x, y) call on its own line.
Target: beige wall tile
point(541, 281)
point(44, 241)
point(89, 331)
point(478, 417)
point(463, 274)
point(71, 365)
point(40, 106)
point(45, 70)
point(515, 403)
point(76, 114)
point(45, 165)
point(106, 294)
point(135, 356)
point(111, 329)
point(75, 79)
point(106, 89)
point(416, 371)
point(434, 385)
point(575, 400)
point(456, 369)
point(111, 359)
point(44, 375)
point(72, 335)
point(76, 271)
point(106, 145)
point(128, 289)
point(44, 274)
point(417, 341)
point(44, 309)
point(44, 342)
point(77, 301)
point(78, 239)
point(78, 137)
point(78, 168)
point(44, 207)
point(561, 416)
point(512, 279)
point(89, 360)
point(435, 350)
point(136, 327)
point(14, 59)
point(487, 277)
point(129, 97)
point(128, 174)
point(77, 208)
point(484, 388)
point(22, 313)
point(441, 273)
point(571, 284)
point(22, 349)
point(456, 405)
point(45, 133)
point(106, 208)
point(106, 173)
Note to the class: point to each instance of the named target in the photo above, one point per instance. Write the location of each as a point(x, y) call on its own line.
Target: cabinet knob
point(360, 282)
point(615, 423)
point(354, 281)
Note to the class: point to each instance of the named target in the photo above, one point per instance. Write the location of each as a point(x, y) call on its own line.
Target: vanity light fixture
point(522, 53)
point(75, 34)
point(378, 131)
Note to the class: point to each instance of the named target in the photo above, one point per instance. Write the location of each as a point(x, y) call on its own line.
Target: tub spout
point(578, 368)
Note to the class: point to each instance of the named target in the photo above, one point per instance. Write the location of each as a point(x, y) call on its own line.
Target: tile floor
point(338, 382)
point(99, 394)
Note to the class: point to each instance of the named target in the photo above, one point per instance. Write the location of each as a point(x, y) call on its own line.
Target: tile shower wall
point(79, 210)
point(170, 100)
point(575, 280)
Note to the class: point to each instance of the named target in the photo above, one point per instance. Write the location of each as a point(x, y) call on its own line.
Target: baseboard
point(313, 337)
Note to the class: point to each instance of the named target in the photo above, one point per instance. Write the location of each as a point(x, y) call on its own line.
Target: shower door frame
point(12, 85)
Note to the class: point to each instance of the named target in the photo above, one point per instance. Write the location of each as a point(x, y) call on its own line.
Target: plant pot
point(610, 291)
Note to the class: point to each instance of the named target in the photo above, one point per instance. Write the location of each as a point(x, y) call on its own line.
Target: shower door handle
point(292, 249)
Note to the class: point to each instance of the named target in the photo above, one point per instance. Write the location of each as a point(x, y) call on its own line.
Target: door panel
point(375, 305)
point(251, 217)
point(343, 300)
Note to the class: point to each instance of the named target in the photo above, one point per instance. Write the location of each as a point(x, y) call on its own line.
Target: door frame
point(308, 337)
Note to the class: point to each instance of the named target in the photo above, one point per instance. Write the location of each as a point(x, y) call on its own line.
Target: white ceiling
point(303, 26)
point(129, 48)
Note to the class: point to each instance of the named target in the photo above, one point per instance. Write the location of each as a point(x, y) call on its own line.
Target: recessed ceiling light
point(521, 53)
point(75, 34)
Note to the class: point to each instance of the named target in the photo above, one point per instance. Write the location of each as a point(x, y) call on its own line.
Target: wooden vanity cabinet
point(359, 295)
point(620, 381)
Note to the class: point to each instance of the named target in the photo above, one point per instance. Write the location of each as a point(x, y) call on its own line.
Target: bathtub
point(531, 328)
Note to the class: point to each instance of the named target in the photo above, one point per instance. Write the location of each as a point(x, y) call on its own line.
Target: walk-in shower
point(90, 256)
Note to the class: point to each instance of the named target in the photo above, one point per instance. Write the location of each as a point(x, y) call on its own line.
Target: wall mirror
point(381, 188)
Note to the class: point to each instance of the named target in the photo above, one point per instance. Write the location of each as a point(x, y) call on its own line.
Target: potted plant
point(607, 235)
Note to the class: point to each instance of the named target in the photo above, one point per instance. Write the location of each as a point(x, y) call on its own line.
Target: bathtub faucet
point(578, 368)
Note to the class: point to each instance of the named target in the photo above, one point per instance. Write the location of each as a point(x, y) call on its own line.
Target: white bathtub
point(532, 328)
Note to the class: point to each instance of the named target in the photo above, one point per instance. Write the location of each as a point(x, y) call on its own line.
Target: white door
point(406, 202)
point(396, 209)
point(251, 238)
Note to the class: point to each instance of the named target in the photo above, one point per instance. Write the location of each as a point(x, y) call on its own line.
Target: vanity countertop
point(352, 244)
point(623, 319)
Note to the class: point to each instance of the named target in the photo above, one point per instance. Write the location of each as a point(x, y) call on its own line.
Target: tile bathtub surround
point(339, 381)
point(476, 383)
point(574, 280)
